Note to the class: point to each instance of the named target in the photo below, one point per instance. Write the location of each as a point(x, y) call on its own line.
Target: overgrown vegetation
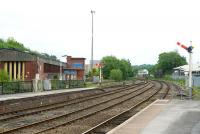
point(11, 43)
point(3, 76)
point(116, 74)
point(196, 93)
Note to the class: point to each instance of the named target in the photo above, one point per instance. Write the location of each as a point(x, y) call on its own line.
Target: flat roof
point(8, 54)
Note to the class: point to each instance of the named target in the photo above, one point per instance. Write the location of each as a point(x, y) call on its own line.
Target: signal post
point(189, 50)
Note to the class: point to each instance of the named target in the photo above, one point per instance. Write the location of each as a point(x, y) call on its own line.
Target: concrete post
point(190, 76)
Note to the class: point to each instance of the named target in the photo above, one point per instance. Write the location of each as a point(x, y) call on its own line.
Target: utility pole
point(91, 66)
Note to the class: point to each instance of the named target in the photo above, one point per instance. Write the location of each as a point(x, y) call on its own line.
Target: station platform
point(35, 94)
point(164, 117)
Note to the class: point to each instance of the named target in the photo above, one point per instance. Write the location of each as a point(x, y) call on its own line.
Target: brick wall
point(48, 68)
point(30, 70)
point(80, 74)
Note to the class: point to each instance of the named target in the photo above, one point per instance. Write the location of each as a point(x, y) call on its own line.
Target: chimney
point(69, 61)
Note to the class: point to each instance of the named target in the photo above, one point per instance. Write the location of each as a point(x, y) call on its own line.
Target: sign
point(77, 65)
point(99, 65)
point(72, 72)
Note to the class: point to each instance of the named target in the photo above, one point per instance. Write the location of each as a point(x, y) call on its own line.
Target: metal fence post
point(2, 88)
point(1, 85)
point(31, 86)
point(18, 90)
point(69, 83)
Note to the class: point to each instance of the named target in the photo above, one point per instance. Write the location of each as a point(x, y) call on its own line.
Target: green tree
point(109, 63)
point(116, 74)
point(126, 68)
point(168, 60)
point(3, 76)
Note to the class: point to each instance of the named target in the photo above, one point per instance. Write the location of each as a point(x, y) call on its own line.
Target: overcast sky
point(138, 30)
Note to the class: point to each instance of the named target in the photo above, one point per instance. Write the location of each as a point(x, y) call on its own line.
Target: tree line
point(121, 69)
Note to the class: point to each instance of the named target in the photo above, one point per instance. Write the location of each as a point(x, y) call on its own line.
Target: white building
point(182, 72)
point(143, 72)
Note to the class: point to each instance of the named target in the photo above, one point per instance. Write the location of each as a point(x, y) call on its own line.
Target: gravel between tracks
point(86, 123)
point(81, 125)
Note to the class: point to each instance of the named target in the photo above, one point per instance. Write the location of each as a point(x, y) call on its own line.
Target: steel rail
point(37, 110)
point(60, 116)
point(90, 114)
point(93, 129)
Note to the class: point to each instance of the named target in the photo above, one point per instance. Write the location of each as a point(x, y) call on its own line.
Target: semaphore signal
point(100, 65)
point(189, 49)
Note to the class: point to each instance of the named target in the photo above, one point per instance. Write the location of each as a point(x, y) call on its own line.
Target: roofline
point(14, 49)
point(73, 69)
point(77, 58)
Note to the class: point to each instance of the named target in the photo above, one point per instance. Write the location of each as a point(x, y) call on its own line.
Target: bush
point(116, 74)
point(3, 76)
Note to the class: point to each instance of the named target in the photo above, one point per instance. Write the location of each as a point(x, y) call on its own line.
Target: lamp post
point(91, 66)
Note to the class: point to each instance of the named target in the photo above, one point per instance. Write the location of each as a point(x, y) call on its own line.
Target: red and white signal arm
point(189, 49)
point(181, 45)
point(99, 65)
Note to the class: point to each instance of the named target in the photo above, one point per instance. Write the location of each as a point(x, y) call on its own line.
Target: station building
point(75, 69)
point(27, 66)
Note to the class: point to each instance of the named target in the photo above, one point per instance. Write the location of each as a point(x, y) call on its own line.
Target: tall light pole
point(91, 66)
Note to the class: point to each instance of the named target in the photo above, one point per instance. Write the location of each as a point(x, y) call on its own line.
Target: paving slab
point(164, 117)
point(180, 117)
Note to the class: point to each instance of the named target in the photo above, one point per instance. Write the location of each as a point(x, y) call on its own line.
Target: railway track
point(102, 114)
point(43, 121)
point(36, 110)
point(167, 90)
point(114, 121)
point(135, 95)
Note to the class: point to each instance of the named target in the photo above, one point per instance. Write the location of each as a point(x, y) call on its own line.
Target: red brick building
point(26, 66)
point(75, 68)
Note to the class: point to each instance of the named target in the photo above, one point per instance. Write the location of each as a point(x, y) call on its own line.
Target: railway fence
point(14, 87)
